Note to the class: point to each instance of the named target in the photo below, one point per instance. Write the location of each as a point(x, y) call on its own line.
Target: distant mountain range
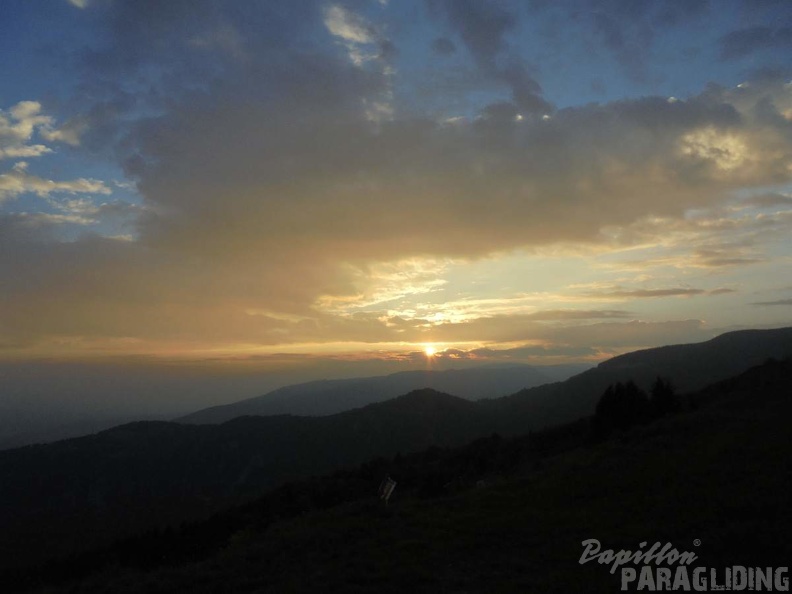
point(326, 397)
point(20, 428)
point(80, 492)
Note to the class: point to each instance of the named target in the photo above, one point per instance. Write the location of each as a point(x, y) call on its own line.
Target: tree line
point(624, 405)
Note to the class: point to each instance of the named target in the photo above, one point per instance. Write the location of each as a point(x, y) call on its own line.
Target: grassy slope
point(720, 474)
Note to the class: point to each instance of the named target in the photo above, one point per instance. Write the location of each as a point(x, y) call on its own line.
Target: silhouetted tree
point(620, 407)
point(663, 398)
point(634, 404)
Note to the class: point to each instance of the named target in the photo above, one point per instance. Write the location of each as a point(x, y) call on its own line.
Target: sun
point(429, 350)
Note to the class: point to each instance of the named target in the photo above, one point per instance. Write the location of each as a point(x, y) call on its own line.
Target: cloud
point(482, 27)
point(773, 303)
point(349, 26)
point(634, 334)
point(624, 42)
point(573, 314)
point(385, 282)
point(46, 220)
point(618, 293)
point(24, 152)
point(18, 181)
point(545, 353)
point(730, 256)
point(626, 30)
point(743, 42)
point(416, 188)
point(365, 43)
point(269, 187)
point(721, 238)
point(646, 293)
point(443, 46)
point(771, 200)
point(598, 336)
point(70, 132)
point(225, 38)
point(17, 127)
point(327, 198)
point(24, 120)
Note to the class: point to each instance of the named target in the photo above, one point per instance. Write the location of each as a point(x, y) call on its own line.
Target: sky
point(202, 199)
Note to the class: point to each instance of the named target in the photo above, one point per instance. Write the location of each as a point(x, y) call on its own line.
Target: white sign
point(386, 488)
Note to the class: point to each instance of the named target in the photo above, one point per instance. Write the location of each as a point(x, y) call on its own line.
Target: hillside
point(333, 396)
point(142, 474)
point(712, 480)
point(88, 491)
point(688, 366)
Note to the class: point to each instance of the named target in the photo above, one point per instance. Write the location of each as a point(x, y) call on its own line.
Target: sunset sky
point(303, 189)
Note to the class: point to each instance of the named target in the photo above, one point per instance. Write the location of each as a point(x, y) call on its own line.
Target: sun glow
point(429, 350)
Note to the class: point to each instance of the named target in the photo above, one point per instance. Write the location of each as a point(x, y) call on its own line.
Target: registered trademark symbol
point(697, 543)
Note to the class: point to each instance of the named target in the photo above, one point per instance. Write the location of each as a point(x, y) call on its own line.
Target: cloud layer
point(284, 162)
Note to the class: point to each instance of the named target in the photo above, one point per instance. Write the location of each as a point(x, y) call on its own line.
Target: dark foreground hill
point(713, 481)
point(93, 489)
point(327, 397)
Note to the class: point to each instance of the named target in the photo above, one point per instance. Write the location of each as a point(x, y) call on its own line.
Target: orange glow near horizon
point(272, 356)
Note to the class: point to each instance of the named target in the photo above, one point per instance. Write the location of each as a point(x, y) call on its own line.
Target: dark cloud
point(767, 73)
point(268, 200)
point(773, 303)
point(634, 334)
point(572, 314)
point(443, 46)
point(482, 27)
point(626, 30)
point(528, 352)
point(275, 165)
point(770, 200)
point(649, 293)
point(743, 42)
point(725, 256)
point(629, 45)
point(621, 293)
point(146, 53)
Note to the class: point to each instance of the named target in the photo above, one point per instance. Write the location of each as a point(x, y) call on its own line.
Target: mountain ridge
point(689, 367)
point(145, 473)
point(326, 397)
point(547, 491)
